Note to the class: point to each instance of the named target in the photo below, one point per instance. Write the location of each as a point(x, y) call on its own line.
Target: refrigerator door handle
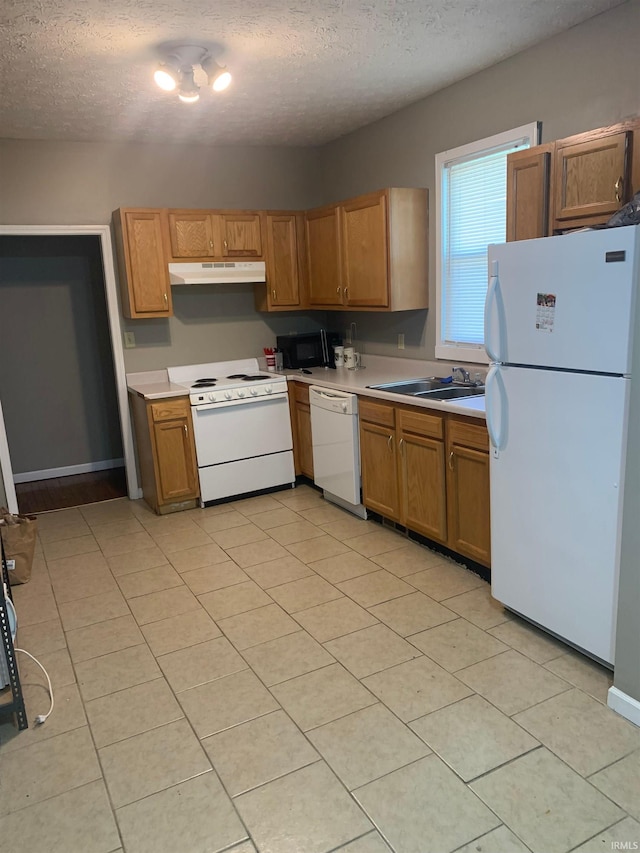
point(493, 389)
point(491, 299)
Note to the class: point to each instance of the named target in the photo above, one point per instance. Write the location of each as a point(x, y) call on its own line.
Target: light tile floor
point(275, 675)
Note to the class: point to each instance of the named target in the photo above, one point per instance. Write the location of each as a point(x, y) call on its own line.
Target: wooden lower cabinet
point(301, 428)
point(468, 503)
point(422, 469)
point(166, 453)
point(379, 469)
point(428, 471)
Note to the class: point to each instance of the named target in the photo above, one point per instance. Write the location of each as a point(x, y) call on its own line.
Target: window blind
point(475, 202)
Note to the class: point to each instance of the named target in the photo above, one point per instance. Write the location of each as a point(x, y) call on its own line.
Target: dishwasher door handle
point(330, 395)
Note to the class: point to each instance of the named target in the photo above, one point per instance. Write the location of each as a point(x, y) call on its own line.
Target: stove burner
point(203, 383)
point(254, 377)
point(237, 376)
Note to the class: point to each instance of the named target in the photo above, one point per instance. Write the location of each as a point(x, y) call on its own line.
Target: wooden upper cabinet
point(592, 176)
point(284, 248)
point(191, 234)
point(364, 244)
point(370, 252)
point(204, 234)
point(528, 174)
point(323, 256)
point(240, 235)
point(140, 236)
point(283, 279)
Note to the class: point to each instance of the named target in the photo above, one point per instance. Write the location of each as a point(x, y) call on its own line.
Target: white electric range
point(241, 425)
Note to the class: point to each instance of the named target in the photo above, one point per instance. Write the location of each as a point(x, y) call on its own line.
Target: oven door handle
point(245, 401)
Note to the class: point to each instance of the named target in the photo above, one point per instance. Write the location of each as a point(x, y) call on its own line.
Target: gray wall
point(585, 78)
point(57, 382)
point(72, 183)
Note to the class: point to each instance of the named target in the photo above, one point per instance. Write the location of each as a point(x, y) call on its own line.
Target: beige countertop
point(376, 370)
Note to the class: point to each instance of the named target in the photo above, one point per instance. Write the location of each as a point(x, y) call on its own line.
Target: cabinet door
point(323, 255)
point(468, 508)
point(241, 235)
point(143, 265)
point(591, 177)
point(175, 459)
point(424, 507)
point(191, 235)
point(528, 193)
point(282, 260)
point(363, 247)
point(303, 433)
point(379, 467)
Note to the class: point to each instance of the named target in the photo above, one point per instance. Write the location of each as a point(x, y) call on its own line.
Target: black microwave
point(313, 349)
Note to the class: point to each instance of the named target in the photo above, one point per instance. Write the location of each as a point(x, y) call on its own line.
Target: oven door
point(241, 430)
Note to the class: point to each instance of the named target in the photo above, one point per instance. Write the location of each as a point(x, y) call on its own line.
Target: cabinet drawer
point(469, 434)
point(420, 423)
point(168, 410)
point(377, 413)
point(301, 393)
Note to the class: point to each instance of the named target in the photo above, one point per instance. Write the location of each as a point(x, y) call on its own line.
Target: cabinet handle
point(338, 289)
point(186, 431)
point(166, 299)
point(390, 442)
point(211, 244)
point(451, 461)
point(401, 446)
point(618, 188)
point(225, 244)
point(274, 293)
point(346, 293)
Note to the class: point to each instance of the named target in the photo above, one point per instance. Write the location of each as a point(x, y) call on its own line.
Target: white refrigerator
point(559, 323)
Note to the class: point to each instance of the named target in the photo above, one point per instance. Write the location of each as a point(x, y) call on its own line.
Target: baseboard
point(68, 471)
point(624, 705)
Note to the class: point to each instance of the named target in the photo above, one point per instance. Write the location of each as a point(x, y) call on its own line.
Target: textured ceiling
point(305, 72)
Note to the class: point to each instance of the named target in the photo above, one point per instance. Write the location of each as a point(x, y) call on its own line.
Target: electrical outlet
point(129, 340)
point(400, 341)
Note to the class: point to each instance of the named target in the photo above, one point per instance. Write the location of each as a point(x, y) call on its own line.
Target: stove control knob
point(254, 392)
point(228, 395)
point(242, 393)
point(211, 396)
point(268, 389)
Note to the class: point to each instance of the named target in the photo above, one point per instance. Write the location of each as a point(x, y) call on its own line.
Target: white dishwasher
point(336, 447)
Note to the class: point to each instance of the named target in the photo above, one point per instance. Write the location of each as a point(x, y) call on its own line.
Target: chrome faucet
point(465, 379)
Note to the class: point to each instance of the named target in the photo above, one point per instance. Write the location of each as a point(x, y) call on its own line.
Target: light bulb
point(221, 81)
point(189, 92)
point(165, 78)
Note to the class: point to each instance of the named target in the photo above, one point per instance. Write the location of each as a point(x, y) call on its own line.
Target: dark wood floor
point(59, 492)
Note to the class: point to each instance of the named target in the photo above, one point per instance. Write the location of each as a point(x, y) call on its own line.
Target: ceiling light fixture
point(179, 68)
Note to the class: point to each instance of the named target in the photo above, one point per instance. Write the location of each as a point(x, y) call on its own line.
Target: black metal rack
point(17, 705)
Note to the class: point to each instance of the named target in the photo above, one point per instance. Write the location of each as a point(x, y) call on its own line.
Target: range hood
point(217, 272)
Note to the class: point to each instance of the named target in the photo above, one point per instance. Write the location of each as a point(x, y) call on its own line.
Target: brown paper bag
point(19, 538)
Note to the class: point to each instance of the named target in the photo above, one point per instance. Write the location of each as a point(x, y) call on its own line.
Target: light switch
point(129, 340)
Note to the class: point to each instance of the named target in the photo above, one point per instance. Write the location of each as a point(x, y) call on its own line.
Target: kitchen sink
point(430, 388)
point(452, 393)
point(412, 387)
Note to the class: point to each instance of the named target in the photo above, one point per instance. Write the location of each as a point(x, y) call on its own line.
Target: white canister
point(338, 354)
point(349, 357)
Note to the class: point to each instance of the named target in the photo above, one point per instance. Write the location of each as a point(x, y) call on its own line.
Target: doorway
point(65, 437)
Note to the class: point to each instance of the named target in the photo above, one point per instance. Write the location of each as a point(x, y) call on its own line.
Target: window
point(471, 200)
